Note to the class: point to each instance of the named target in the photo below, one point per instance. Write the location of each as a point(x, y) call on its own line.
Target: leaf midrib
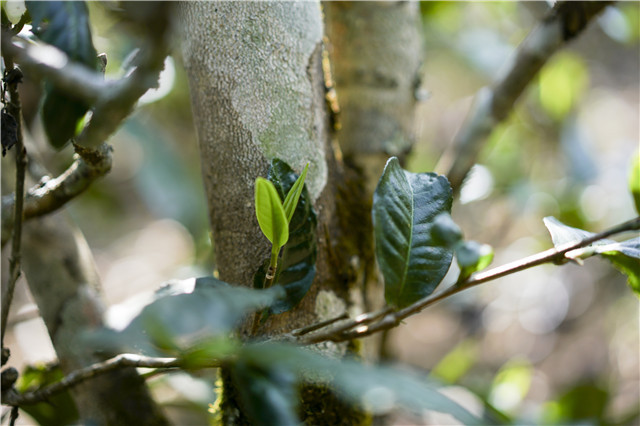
point(408, 250)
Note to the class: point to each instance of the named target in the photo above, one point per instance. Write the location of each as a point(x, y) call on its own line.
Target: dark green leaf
point(623, 255)
point(270, 213)
point(404, 207)
point(472, 256)
point(297, 268)
point(65, 25)
point(378, 389)
point(186, 315)
point(267, 392)
point(60, 116)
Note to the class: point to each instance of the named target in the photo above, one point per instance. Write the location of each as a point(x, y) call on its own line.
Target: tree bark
point(59, 269)
point(376, 54)
point(257, 88)
point(257, 92)
point(375, 50)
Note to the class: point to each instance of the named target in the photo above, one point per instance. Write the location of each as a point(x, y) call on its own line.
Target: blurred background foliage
point(550, 345)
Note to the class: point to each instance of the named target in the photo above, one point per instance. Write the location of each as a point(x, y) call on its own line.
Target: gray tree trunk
point(257, 92)
point(61, 274)
point(375, 50)
point(257, 88)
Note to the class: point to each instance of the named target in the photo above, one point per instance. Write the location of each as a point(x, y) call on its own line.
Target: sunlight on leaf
point(270, 213)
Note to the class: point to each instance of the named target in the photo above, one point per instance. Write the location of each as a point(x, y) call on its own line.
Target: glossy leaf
point(624, 255)
point(377, 389)
point(270, 213)
point(267, 392)
point(472, 257)
point(296, 270)
point(405, 206)
point(293, 195)
point(634, 181)
point(188, 315)
point(65, 25)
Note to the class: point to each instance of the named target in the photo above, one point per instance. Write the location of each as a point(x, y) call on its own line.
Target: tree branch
point(15, 109)
point(356, 329)
point(113, 102)
point(493, 104)
point(51, 194)
point(13, 398)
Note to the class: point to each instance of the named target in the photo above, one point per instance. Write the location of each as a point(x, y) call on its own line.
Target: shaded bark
point(257, 91)
point(257, 88)
point(375, 50)
point(59, 268)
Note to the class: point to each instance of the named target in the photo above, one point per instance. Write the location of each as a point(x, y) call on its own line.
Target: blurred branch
point(13, 398)
point(11, 79)
point(51, 194)
point(113, 101)
point(493, 104)
point(50, 63)
point(359, 327)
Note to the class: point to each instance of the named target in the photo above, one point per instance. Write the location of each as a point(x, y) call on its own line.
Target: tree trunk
point(257, 92)
point(257, 88)
point(59, 269)
point(376, 52)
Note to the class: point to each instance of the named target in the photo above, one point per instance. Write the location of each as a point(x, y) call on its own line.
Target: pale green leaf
point(270, 213)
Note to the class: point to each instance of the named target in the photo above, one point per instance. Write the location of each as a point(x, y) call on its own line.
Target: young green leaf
point(291, 201)
point(296, 269)
point(270, 213)
point(405, 206)
point(634, 181)
point(472, 257)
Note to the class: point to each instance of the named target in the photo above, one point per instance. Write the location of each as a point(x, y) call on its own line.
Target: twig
point(52, 194)
point(50, 63)
point(313, 327)
point(120, 361)
point(493, 104)
point(14, 108)
point(113, 102)
point(553, 255)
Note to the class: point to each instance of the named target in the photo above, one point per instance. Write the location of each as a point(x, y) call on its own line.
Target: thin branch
point(13, 398)
point(50, 63)
point(493, 104)
point(113, 102)
point(313, 327)
point(51, 194)
point(557, 255)
point(15, 109)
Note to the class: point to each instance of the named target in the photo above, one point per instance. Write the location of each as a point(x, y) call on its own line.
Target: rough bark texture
point(257, 92)
point(257, 88)
point(62, 277)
